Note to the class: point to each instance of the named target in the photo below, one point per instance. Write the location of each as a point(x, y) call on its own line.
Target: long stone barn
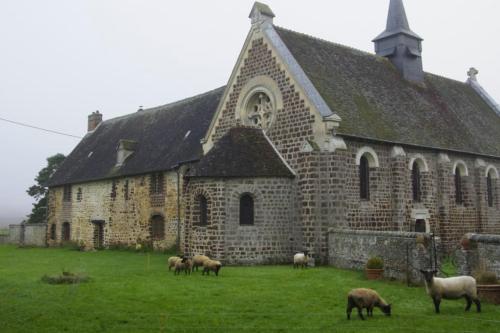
point(307, 137)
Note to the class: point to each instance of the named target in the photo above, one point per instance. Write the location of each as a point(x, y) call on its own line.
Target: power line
point(39, 128)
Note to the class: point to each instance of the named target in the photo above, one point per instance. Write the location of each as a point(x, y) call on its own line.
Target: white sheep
point(211, 265)
point(171, 261)
point(198, 260)
point(183, 264)
point(366, 298)
point(451, 288)
point(300, 259)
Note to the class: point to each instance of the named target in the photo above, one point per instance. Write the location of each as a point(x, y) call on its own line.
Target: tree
point(40, 190)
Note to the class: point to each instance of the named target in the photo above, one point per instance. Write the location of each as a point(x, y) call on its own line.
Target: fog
point(61, 60)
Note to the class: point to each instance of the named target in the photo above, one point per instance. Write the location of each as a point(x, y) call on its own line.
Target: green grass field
point(134, 292)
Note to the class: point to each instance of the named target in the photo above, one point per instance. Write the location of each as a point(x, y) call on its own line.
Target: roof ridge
point(330, 42)
point(168, 105)
point(360, 51)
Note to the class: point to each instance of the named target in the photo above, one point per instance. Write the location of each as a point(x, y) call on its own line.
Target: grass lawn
point(134, 292)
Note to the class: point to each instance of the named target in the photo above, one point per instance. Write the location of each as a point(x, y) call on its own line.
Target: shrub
point(375, 263)
point(486, 277)
point(65, 278)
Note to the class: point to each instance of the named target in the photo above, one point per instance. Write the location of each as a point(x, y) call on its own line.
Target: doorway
point(98, 234)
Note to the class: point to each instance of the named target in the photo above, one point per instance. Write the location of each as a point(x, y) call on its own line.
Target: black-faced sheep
point(451, 288)
point(366, 298)
point(211, 265)
point(183, 264)
point(171, 261)
point(198, 260)
point(300, 259)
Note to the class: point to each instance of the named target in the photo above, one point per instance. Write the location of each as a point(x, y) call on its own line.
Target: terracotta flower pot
point(374, 274)
point(489, 293)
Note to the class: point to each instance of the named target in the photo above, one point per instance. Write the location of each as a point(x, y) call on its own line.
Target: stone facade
point(124, 206)
point(272, 238)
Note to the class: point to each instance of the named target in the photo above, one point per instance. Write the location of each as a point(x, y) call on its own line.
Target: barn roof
point(163, 137)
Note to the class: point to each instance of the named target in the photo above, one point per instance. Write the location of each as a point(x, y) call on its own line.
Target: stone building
point(308, 135)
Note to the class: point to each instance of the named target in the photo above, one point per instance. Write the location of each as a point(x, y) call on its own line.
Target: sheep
point(198, 260)
point(366, 298)
point(451, 288)
point(300, 259)
point(211, 265)
point(171, 261)
point(183, 264)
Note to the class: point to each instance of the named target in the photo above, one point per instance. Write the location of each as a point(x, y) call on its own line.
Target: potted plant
point(488, 287)
point(374, 268)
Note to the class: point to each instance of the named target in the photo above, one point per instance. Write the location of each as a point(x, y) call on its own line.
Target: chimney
point(94, 120)
point(400, 45)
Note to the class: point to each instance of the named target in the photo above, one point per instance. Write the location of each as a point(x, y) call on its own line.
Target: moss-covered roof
point(242, 152)
point(160, 138)
point(374, 101)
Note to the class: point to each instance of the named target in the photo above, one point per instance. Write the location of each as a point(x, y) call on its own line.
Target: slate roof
point(161, 136)
point(242, 152)
point(375, 102)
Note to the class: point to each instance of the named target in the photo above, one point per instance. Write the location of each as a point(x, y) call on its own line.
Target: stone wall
point(403, 252)
point(125, 206)
point(35, 234)
point(15, 233)
point(479, 252)
point(272, 238)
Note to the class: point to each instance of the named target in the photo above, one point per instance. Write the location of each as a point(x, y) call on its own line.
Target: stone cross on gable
point(472, 73)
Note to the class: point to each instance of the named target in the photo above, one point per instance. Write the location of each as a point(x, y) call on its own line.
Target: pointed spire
point(402, 46)
point(397, 22)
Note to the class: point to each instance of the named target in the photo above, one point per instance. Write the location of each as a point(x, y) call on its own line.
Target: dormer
point(125, 149)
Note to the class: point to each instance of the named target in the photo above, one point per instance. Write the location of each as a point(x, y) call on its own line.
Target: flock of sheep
point(361, 298)
point(186, 265)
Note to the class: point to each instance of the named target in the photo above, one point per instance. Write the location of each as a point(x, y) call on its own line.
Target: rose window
point(260, 111)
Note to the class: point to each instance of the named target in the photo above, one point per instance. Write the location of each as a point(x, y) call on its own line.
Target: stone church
point(307, 136)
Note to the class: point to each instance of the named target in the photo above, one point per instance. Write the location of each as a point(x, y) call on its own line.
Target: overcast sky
point(60, 60)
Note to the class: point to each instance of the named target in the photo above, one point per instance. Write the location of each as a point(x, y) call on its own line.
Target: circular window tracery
point(260, 110)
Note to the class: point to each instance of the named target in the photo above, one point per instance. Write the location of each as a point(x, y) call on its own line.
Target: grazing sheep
point(366, 298)
point(198, 260)
point(451, 288)
point(300, 259)
point(183, 264)
point(211, 265)
point(171, 261)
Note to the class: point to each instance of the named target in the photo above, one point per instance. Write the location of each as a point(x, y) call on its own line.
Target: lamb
point(198, 260)
point(211, 265)
point(171, 261)
point(183, 264)
point(300, 259)
point(366, 298)
point(451, 288)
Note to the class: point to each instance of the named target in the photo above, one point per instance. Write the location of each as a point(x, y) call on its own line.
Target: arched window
point(203, 210)
point(364, 178)
point(157, 227)
point(66, 232)
point(246, 210)
point(416, 183)
point(53, 231)
point(458, 187)
point(489, 186)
